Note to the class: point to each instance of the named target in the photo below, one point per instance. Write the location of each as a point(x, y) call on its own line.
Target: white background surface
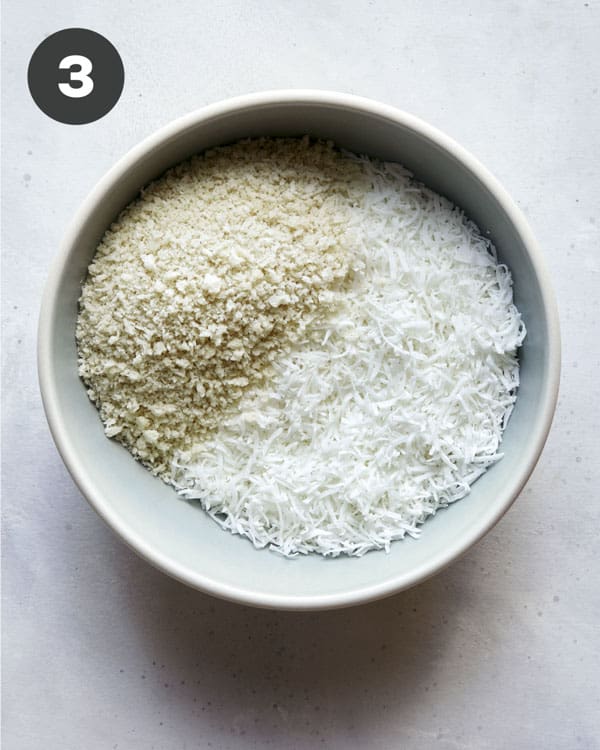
point(499, 651)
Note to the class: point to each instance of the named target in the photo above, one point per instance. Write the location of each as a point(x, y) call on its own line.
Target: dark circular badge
point(75, 76)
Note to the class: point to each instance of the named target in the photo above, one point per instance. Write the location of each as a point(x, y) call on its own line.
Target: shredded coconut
point(317, 349)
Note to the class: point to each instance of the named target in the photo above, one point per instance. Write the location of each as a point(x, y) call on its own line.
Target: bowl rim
point(67, 446)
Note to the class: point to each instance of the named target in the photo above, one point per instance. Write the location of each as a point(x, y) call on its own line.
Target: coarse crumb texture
point(376, 393)
point(200, 283)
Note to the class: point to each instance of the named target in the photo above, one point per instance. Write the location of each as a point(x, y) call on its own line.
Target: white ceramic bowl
point(180, 539)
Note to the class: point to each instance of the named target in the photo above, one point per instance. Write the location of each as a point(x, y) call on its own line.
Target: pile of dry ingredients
point(318, 349)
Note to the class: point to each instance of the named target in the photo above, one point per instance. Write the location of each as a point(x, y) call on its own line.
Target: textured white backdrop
point(499, 651)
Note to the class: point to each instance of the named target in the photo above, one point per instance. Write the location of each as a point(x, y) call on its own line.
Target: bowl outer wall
point(150, 520)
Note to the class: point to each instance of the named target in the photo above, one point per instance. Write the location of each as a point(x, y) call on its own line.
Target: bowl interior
point(180, 538)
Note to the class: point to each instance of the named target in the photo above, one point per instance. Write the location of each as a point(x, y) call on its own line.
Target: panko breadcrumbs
point(202, 281)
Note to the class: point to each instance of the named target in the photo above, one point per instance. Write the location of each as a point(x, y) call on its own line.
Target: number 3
point(82, 75)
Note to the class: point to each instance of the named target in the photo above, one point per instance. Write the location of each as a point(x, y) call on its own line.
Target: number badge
point(76, 76)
